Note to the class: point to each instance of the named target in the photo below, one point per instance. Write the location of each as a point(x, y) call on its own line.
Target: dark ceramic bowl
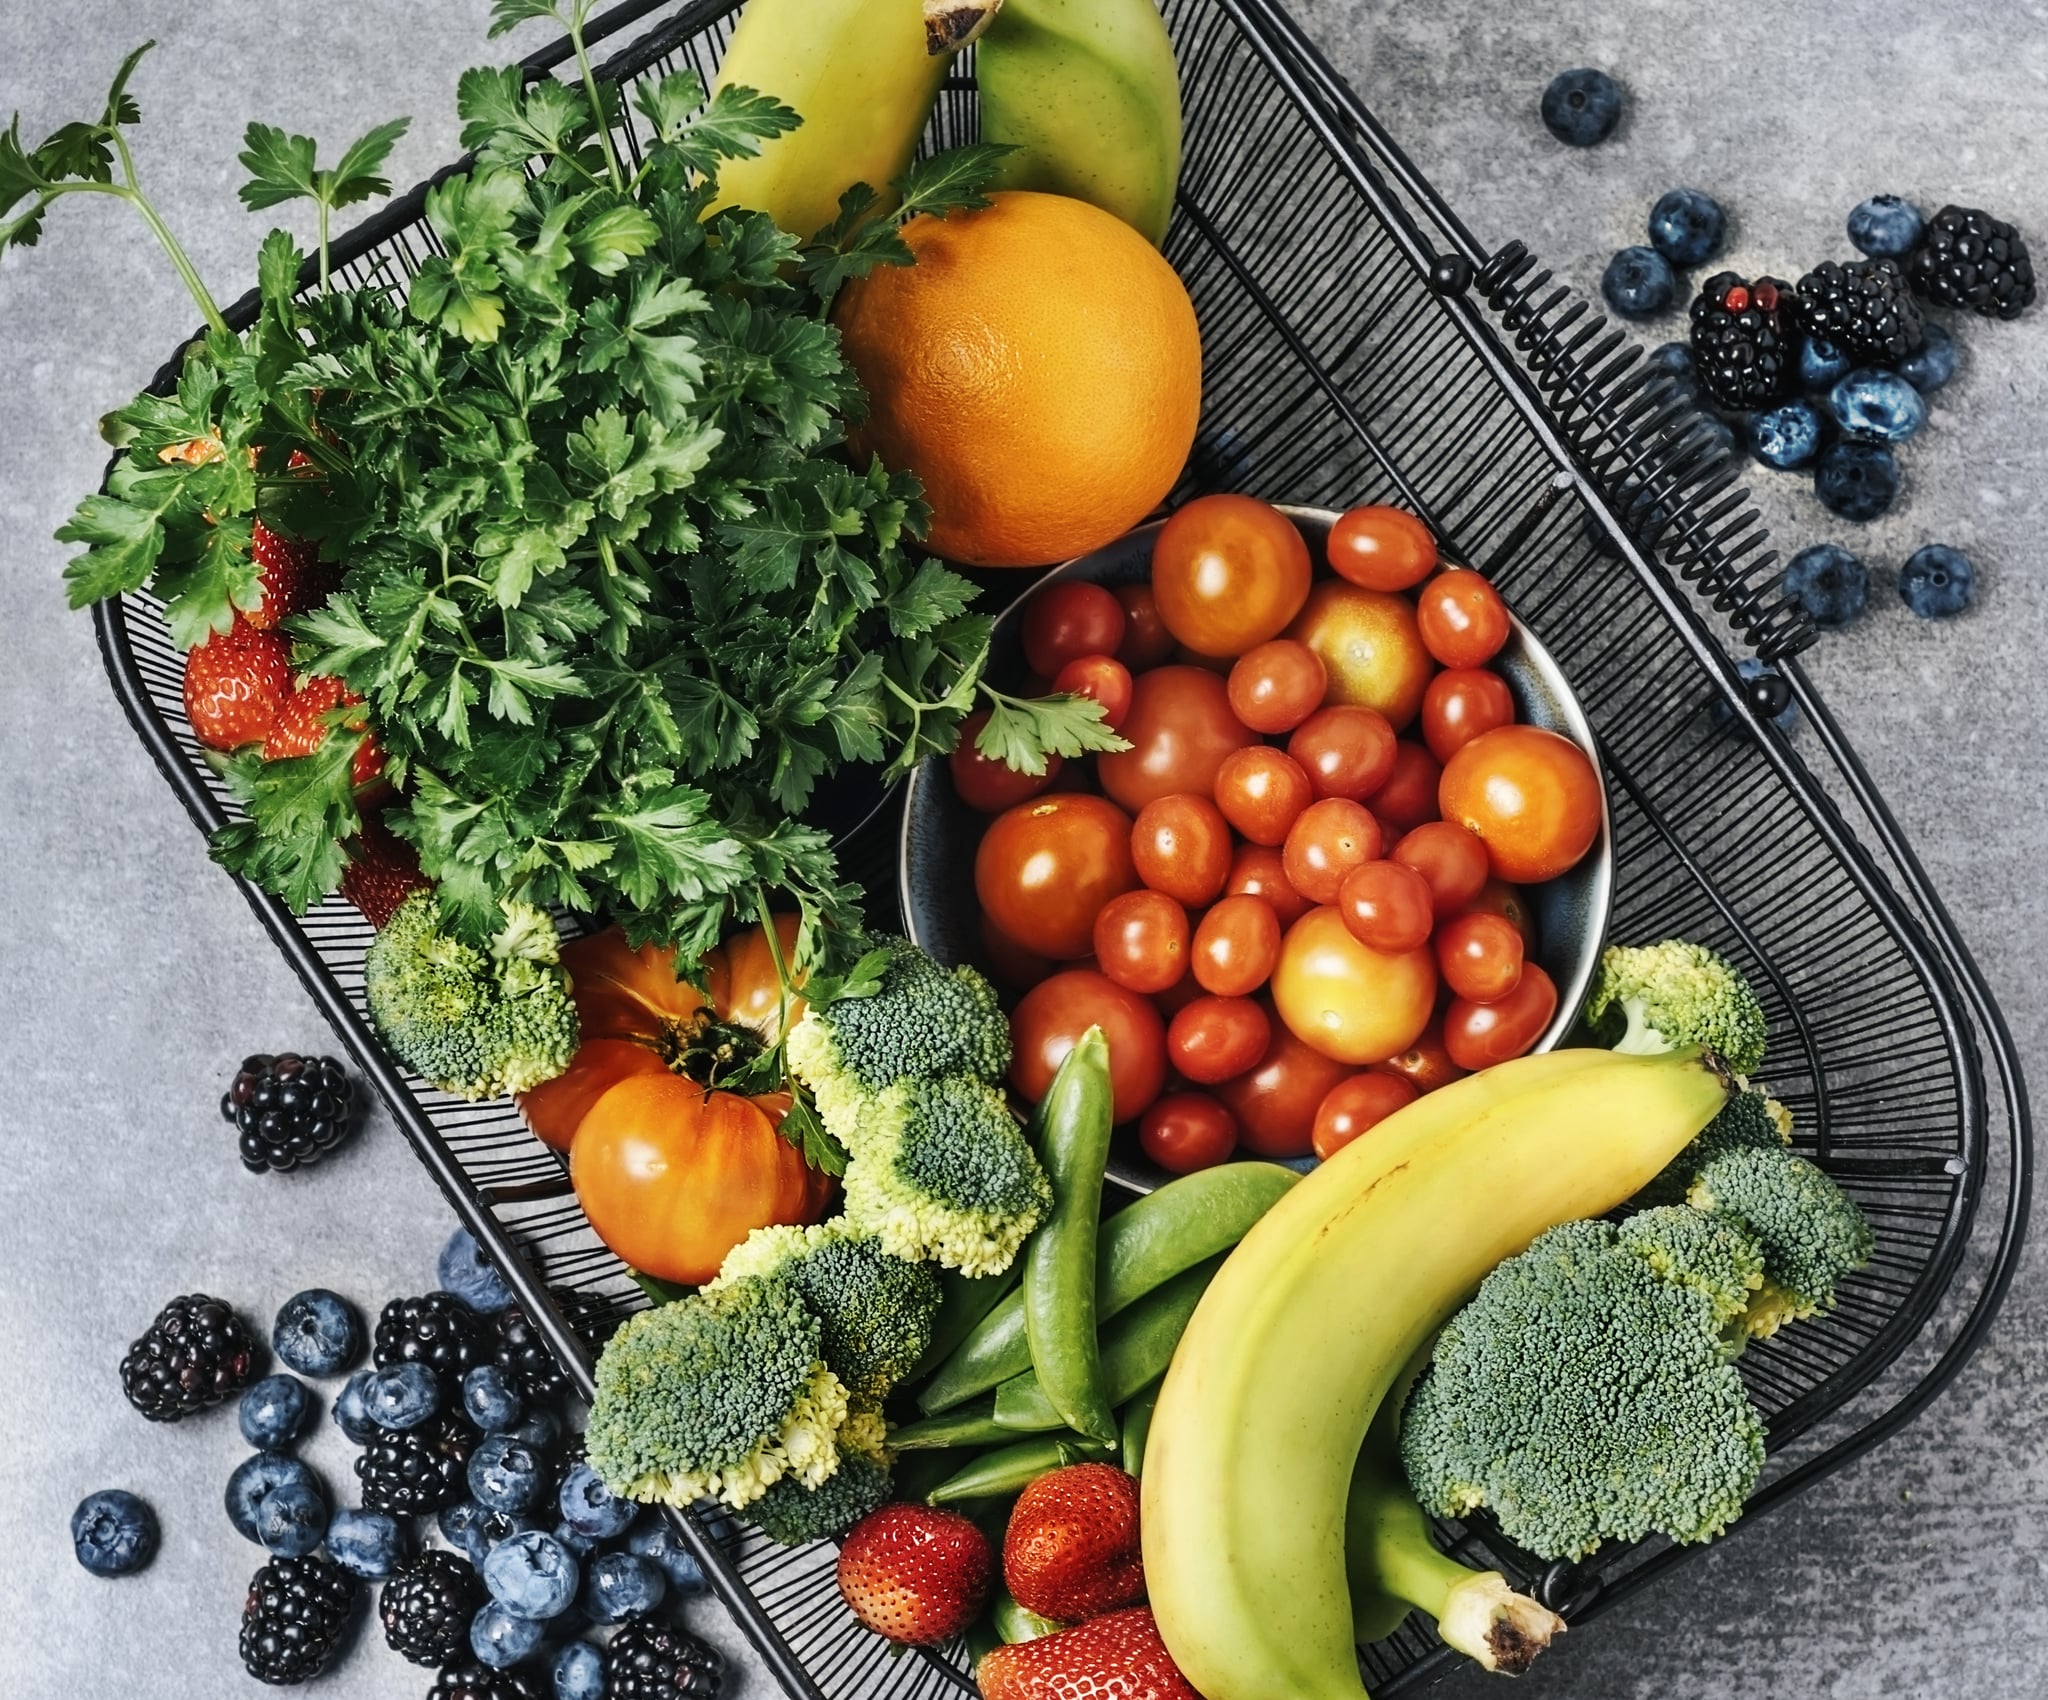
point(940, 833)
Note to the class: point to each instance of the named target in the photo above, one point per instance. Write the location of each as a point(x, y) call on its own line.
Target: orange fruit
point(1039, 369)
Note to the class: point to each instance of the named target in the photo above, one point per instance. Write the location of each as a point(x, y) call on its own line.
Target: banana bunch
point(1306, 1328)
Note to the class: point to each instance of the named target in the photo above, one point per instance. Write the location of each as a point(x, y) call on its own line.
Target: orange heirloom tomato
point(1531, 795)
point(1349, 1001)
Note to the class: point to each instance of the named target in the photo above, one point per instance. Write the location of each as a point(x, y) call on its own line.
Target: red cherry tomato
point(1531, 795)
point(1259, 871)
point(1462, 619)
point(1053, 1015)
point(1350, 1001)
point(1235, 947)
point(1186, 1131)
point(1147, 642)
point(1511, 903)
point(1346, 751)
point(1425, 1064)
point(1479, 955)
point(1353, 1106)
point(990, 786)
point(1181, 846)
point(1261, 792)
point(1275, 686)
point(1228, 572)
point(1326, 842)
point(1451, 859)
point(1215, 1039)
point(1105, 679)
point(1009, 963)
point(1045, 867)
point(1478, 1035)
point(1408, 797)
point(1275, 1102)
point(1180, 728)
point(1387, 905)
point(1461, 703)
point(1141, 940)
point(1381, 548)
point(1066, 618)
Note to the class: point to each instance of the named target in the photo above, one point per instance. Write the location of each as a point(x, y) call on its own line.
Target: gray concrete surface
point(132, 976)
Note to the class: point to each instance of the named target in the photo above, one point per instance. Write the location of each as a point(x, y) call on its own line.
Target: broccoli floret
point(1717, 1258)
point(1811, 1232)
point(875, 1310)
point(717, 1396)
point(926, 1020)
point(1659, 997)
point(941, 1171)
point(792, 1514)
point(1748, 1121)
point(476, 1023)
point(1583, 1397)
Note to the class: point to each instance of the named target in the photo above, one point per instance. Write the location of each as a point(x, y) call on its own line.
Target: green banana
point(1087, 93)
point(1287, 1358)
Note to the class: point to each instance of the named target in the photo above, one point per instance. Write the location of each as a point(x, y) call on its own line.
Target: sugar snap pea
point(1012, 1469)
point(976, 1427)
point(1136, 1417)
point(963, 1301)
point(1016, 1623)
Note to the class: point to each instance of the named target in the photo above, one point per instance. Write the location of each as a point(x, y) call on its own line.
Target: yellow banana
point(1087, 93)
point(1248, 1466)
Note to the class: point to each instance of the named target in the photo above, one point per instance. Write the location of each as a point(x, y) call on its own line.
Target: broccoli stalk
point(1662, 997)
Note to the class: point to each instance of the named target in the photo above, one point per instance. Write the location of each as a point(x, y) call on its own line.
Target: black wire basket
point(1360, 346)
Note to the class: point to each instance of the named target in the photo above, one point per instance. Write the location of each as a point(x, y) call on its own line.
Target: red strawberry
point(383, 871)
point(294, 579)
point(915, 1573)
point(1071, 1551)
point(300, 730)
point(236, 685)
point(1118, 1657)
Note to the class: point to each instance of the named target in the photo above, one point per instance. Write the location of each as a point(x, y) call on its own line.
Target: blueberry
point(1686, 226)
point(1856, 480)
point(403, 1396)
point(473, 1530)
point(317, 1332)
point(575, 1540)
point(506, 1474)
point(1933, 363)
point(470, 1276)
point(620, 1585)
point(274, 1411)
point(292, 1518)
point(1788, 435)
point(351, 1411)
point(1580, 108)
point(532, 1575)
point(591, 1508)
point(656, 1539)
point(579, 1672)
point(489, 1399)
point(369, 1544)
point(1672, 360)
point(1885, 225)
point(113, 1533)
point(1880, 406)
point(540, 1428)
point(254, 1480)
point(1716, 436)
point(501, 1639)
point(1831, 584)
point(1638, 283)
point(1937, 582)
point(1821, 364)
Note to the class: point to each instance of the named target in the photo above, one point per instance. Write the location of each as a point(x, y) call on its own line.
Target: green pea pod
point(977, 1427)
point(1071, 1130)
point(964, 1300)
point(915, 1473)
point(1012, 1469)
point(1136, 1348)
point(1016, 1623)
point(1137, 1421)
point(1143, 1245)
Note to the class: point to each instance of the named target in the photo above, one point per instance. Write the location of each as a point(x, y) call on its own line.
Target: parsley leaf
point(1021, 732)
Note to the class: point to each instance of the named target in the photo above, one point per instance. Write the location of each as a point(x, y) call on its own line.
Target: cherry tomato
point(1350, 1001)
point(1479, 955)
point(1101, 677)
point(1215, 1039)
point(1066, 618)
point(1461, 617)
point(1009, 963)
point(1346, 751)
point(1461, 703)
point(1275, 1102)
point(1355, 1105)
point(1180, 728)
point(1141, 940)
point(1381, 548)
point(1177, 996)
point(1045, 867)
point(1425, 1064)
point(990, 786)
point(1228, 572)
point(1478, 1035)
point(1387, 905)
point(1261, 791)
point(1053, 1015)
point(1186, 1131)
point(1325, 843)
point(1531, 795)
point(1451, 859)
point(1147, 642)
point(1275, 686)
point(1257, 870)
point(1368, 642)
point(1181, 846)
point(1236, 945)
point(1409, 795)
point(1511, 903)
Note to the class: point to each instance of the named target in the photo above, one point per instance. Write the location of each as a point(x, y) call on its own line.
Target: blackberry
point(420, 1469)
point(1967, 258)
point(290, 1110)
point(1743, 342)
point(196, 1353)
point(435, 1329)
point(472, 1681)
point(651, 1660)
point(297, 1612)
point(1863, 309)
point(518, 1350)
point(427, 1606)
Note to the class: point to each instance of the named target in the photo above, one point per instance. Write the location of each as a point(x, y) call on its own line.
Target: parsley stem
point(131, 191)
point(590, 88)
point(323, 244)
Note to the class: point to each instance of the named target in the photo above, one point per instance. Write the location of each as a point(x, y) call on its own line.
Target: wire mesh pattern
point(1359, 346)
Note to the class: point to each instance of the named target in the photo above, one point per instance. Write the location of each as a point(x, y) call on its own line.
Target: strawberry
point(300, 730)
point(383, 871)
point(915, 1574)
point(236, 685)
point(294, 579)
point(1118, 1657)
point(1071, 1551)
